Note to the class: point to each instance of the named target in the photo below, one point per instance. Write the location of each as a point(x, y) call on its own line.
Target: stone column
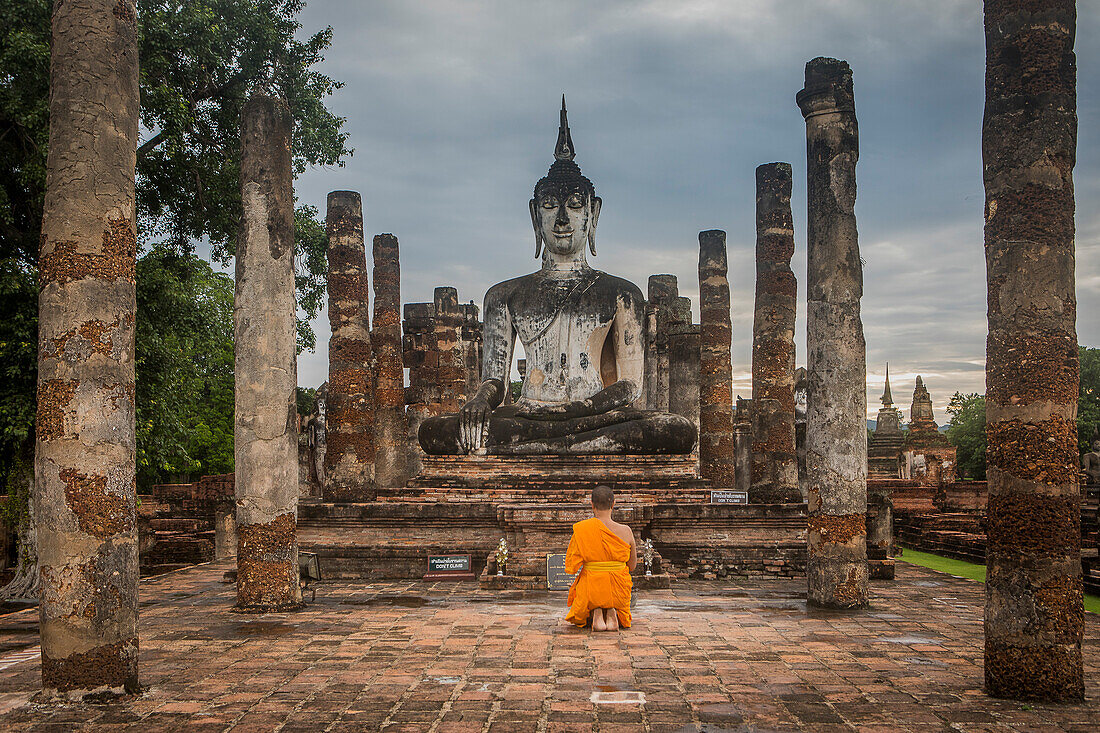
point(836, 416)
point(1033, 612)
point(742, 461)
point(880, 531)
point(451, 372)
point(649, 374)
point(225, 531)
point(683, 372)
point(663, 293)
point(390, 427)
point(85, 457)
point(471, 349)
point(716, 445)
point(349, 455)
point(265, 447)
point(774, 466)
point(418, 352)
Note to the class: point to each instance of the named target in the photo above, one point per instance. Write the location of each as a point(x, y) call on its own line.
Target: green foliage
point(184, 367)
point(24, 124)
point(310, 272)
point(1088, 402)
point(967, 433)
point(18, 362)
point(15, 503)
point(307, 401)
point(199, 61)
point(968, 570)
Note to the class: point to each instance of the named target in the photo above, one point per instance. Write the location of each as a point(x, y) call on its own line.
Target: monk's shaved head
point(602, 497)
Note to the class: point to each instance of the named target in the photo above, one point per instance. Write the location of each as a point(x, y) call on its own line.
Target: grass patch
point(968, 570)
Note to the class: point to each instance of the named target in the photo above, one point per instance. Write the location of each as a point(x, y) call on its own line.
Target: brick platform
point(410, 656)
point(644, 479)
point(379, 540)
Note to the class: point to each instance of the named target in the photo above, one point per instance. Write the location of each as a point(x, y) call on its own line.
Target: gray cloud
point(452, 109)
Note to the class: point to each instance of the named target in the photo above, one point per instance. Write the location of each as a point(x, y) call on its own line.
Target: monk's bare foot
point(598, 623)
point(612, 619)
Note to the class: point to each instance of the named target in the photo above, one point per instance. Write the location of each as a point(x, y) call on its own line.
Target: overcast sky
point(452, 108)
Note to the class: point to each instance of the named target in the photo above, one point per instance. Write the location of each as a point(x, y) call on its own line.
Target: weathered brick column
point(85, 456)
point(451, 369)
point(836, 417)
point(390, 427)
point(349, 455)
point(774, 466)
point(716, 445)
point(265, 436)
point(1033, 613)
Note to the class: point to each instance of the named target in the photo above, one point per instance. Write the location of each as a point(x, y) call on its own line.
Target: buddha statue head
point(565, 208)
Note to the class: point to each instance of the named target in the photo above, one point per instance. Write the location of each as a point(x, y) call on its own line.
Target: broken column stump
point(418, 353)
point(683, 371)
point(85, 458)
point(1034, 615)
point(265, 426)
point(836, 416)
point(774, 466)
point(716, 443)
point(451, 361)
point(350, 450)
point(663, 291)
point(390, 427)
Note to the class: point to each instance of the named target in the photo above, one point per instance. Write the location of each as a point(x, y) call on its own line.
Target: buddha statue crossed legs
point(582, 332)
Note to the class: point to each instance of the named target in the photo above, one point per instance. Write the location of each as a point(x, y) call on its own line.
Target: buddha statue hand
point(619, 394)
point(474, 415)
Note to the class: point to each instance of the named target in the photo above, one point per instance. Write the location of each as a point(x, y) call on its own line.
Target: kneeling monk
point(605, 553)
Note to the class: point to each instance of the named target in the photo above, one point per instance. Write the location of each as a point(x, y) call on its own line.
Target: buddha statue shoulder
point(582, 332)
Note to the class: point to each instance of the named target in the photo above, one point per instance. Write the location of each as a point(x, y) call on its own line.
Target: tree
point(1088, 401)
point(967, 433)
point(184, 367)
point(198, 60)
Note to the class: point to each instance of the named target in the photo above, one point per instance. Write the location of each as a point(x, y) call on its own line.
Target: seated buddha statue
point(582, 332)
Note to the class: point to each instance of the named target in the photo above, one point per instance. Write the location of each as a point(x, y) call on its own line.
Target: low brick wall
point(718, 540)
point(378, 540)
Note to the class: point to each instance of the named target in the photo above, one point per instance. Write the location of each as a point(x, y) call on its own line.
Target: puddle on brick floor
point(263, 628)
point(444, 680)
point(390, 600)
point(522, 596)
point(923, 662)
point(908, 640)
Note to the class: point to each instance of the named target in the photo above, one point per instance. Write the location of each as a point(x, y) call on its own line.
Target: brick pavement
point(408, 656)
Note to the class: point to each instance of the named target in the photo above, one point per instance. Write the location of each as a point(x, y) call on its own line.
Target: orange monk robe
point(604, 582)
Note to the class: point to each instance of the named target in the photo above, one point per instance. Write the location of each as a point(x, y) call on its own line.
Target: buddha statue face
point(565, 208)
point(564, 221)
